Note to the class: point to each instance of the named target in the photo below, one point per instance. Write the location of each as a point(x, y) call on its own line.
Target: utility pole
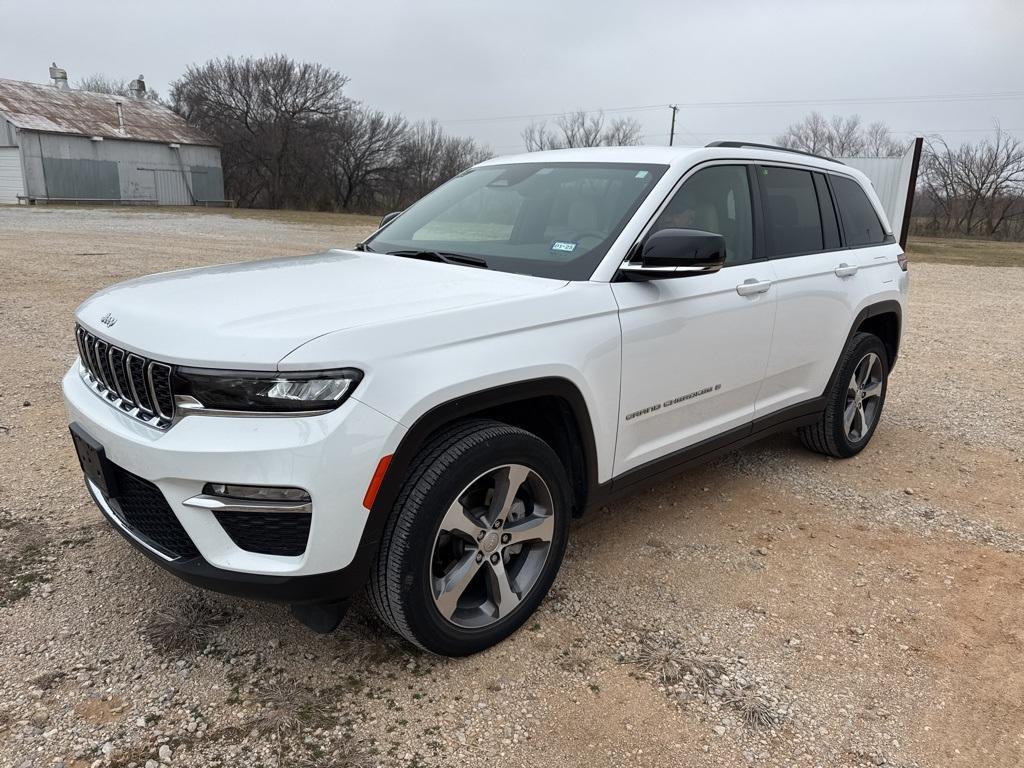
point(672, 133)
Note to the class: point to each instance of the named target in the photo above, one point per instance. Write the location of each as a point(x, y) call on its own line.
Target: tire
point(446, 529)
point(835, 434)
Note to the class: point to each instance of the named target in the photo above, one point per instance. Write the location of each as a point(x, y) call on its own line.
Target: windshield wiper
point(442, 256)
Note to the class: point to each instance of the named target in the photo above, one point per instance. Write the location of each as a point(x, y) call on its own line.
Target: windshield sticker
point(561, 245)
point(641, 175)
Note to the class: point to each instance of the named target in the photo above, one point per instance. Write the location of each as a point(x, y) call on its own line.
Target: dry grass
point(287, 710)
point(979, 253)
point(670, 663)
point(663, 660)
point(187, 627)
point(317, 218)
point(754, 709)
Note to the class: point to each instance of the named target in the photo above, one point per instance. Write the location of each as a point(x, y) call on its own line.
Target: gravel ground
point(775, 608)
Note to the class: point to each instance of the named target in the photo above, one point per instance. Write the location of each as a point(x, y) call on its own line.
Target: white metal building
point(63, 145)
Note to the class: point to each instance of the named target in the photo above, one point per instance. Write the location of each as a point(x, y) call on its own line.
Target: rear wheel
point(475, 539)
point(854, 402)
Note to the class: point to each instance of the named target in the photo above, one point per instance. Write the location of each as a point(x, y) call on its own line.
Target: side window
point(715, 199)
point(793, 220)
point(829, 222)
point(860, 222)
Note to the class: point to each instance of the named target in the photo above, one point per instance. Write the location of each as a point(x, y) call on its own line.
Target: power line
point(950, 97)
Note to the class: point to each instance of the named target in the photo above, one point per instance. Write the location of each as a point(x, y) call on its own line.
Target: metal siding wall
point(145, 170)
point(171, 187)
point(83, 179)
point(11, 182)
point(8, 134)
point(207, 183)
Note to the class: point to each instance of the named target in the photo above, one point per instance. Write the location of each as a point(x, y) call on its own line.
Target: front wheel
point(854, 402)
point(475, 539)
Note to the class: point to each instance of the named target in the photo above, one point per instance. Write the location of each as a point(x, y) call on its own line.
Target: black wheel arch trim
point(887, 307)
point(468, 405)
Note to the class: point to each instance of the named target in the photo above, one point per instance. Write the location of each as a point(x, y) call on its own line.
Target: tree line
point(291, 138)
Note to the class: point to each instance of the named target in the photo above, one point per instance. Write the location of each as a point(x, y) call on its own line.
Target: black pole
point(672, 134)
point(911, 188)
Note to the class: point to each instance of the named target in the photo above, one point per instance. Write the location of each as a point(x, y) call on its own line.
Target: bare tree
point(363, 151)
point(582, 129)
point(623, 132)
point(537, 138)
point(840, 136)
point(271, 115)
point(100, 83)
point(428, 157)
point(879, 142)
point(975, 189)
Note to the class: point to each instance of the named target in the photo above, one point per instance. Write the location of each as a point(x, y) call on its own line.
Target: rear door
point(819, 281)
point(694, 349)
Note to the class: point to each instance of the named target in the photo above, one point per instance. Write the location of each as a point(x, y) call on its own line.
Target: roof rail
point(741, 144)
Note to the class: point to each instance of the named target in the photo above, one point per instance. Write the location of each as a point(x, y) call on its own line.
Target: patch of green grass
point(963, 251)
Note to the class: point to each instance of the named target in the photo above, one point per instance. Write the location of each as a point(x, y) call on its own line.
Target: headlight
point(267, 392)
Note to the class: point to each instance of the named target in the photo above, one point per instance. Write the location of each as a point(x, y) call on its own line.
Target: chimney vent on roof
point(120, 117)
point(137, 87)
point(59, 77)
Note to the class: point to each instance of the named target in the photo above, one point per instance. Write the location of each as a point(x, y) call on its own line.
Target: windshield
point(546, 219)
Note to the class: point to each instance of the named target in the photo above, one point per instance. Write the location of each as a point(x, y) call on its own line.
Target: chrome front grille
point(137, 385)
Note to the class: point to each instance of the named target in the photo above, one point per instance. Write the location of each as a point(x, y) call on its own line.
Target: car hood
point(251, 315)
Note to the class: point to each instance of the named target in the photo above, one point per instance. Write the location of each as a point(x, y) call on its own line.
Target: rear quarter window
point(860, 221)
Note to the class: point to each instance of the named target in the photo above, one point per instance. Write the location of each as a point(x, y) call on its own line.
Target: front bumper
point(331, 587)
point(331, 456)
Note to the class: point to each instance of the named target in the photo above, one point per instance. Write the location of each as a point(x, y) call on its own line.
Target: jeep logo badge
point(108, 320)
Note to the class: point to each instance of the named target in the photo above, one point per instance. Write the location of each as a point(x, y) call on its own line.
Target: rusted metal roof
point(45, 108)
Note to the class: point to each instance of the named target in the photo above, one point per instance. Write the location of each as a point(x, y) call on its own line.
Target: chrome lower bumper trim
point(112, 511)
point(219, 504)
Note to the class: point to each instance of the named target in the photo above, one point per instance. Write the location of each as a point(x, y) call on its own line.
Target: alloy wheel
point(863, 398)
point(491, 547)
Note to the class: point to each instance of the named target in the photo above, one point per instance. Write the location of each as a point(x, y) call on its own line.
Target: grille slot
point(100, 352)
point(135, 384)
point(145, 511)
point(116, 357)
point(160, 386)
point(267, 533)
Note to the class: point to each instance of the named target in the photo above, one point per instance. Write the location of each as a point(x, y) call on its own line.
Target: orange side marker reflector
point(376, 480)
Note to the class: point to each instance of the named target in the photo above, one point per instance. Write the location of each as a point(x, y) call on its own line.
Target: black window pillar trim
point(758, 215)
point(839, 213)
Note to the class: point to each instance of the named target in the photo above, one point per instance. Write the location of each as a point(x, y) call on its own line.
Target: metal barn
point(63, 145)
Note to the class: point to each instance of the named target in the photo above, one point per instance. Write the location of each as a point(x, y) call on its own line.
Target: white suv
point(422, 415)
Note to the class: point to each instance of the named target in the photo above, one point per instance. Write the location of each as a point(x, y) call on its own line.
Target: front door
point(694, 349)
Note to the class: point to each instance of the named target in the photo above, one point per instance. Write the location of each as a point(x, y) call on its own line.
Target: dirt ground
point(775, 608)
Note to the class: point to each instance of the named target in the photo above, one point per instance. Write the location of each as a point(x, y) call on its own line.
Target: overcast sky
point(942, 66)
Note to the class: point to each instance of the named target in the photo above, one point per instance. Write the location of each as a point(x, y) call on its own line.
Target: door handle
point(752, 285)
point(846, 270)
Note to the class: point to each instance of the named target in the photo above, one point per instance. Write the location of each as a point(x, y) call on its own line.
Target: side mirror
point(678, 253)
point(387, 218)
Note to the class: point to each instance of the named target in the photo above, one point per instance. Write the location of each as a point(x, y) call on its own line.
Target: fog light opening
point(256, 492)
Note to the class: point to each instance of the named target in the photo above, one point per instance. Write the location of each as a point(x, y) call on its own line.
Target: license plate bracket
point(94, 462)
